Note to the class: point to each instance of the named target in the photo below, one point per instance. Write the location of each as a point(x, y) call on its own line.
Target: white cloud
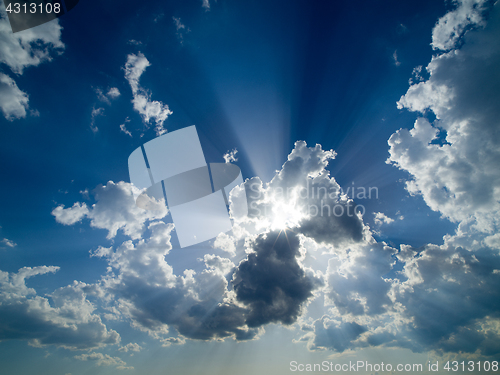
point(112, 93)
point(180, 28)
point(459, 178)
point(206, 4)
point(13, 101)
point(451, 27)
point(114, 210)
point(8, 243)
point(149, 110)
point(381, 218)
point(230, 156)
point(135, 66)
point(218, 264)
point(124, 130)
point(493, 241)
point(104, 360)
point(225, 243)
point(173, 341)
point(29, 47)
point(395, 58)
point(18, 51)
point(417, 75)
point(133, 347)
point(70, 215)
point(95, 112)
point(178, 24)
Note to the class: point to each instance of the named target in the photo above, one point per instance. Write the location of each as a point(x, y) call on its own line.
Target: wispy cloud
point(8, 243)
point(149, 110)
point(112, 93)
point(95, 113)
point(180, 28)
point(395, 58)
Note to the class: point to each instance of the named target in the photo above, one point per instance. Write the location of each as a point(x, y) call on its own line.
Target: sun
point(285, 215)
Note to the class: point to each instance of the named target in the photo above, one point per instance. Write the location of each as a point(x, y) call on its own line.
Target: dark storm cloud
point(271, 283)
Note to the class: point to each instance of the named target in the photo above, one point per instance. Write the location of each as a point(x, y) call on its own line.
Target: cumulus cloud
point(225, 243)
point(458, 177)
point(69, 321)
point(451, 27)
point(149, 110)
point(13, 101)
point(70, 215)
point(131, 346)
point(218, 264)
point(114, 210)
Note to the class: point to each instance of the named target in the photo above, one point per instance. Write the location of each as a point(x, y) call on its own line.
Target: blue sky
point(399, 97)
